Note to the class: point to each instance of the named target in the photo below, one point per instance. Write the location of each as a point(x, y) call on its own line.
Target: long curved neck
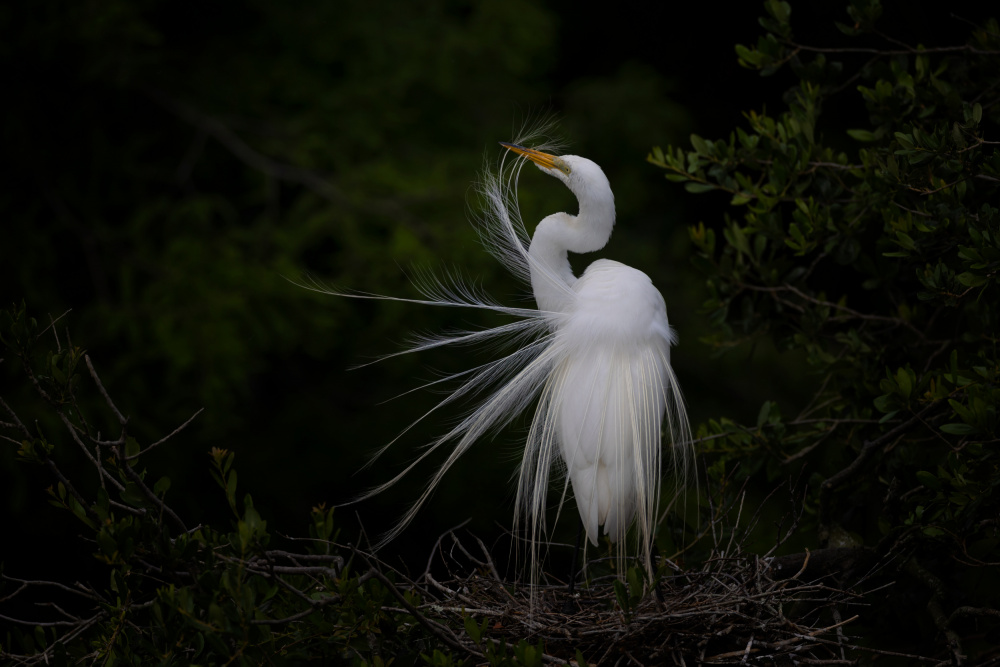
point(551, 275)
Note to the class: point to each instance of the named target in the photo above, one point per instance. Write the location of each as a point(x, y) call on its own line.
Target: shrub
point(871, 252)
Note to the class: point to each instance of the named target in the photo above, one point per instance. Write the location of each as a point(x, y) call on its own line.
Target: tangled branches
point(737, 608)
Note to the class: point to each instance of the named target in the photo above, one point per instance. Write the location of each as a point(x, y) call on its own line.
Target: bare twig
point(152, 497)
point(52, 324)
point(166, 437)
point(122, 420)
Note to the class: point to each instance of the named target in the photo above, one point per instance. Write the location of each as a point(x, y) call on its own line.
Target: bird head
point(580, 175)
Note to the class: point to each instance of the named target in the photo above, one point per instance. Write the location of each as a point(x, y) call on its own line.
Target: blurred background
point(171, 165)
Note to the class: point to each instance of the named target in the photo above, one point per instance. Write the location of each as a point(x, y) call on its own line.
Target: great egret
point(595, 355)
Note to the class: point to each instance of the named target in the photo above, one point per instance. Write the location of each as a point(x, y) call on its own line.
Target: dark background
point(163, 162)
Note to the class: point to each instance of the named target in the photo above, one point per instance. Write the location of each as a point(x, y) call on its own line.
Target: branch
point(146, 491)
point(122, 420)
point(17, 422)
point(95, 461)
point(836, 306)
point(897, 52)
point(867, 449)
point(221, 133)
point(440, 631)
point(52, 324)
point(166, 437)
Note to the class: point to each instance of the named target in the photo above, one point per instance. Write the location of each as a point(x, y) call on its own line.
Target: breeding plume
point(594, 359)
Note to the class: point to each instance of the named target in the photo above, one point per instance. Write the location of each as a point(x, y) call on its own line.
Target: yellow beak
point(538, 157)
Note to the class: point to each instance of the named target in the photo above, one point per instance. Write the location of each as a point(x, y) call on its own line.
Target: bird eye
point(562, 166)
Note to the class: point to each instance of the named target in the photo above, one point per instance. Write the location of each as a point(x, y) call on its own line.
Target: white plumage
point(595, 355)
point(613, 399)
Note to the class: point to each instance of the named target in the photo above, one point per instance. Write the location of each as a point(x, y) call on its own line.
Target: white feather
point(595, 357)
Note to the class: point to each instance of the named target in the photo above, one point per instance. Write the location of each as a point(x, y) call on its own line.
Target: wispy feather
point(594, 384)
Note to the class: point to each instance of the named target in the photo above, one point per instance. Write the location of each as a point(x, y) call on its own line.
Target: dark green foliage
point(167, 593)
point(174, 594)
point(872, 250)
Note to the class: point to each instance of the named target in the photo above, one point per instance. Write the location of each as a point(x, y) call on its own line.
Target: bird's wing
point(609, 392)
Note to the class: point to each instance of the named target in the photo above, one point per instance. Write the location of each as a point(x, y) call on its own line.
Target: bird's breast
point(616, 304)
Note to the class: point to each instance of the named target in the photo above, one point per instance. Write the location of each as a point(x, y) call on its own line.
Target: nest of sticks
point(735, 607)
point(734, 610)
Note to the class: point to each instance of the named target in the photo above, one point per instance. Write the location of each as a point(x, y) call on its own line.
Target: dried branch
point(164, 438)
point(122, 420)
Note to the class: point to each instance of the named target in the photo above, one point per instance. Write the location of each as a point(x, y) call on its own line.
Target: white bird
point(595, 354)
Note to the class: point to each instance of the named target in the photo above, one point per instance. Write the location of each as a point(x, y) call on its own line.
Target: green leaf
point(962, 411)
point(847, 30)
point(904, 382)
point(764, 413)
point(131, 447)
point(862, 135)
point(132, 495)
point(958, 429)
point(929, 480)
point(904, 239)
point(634, 579)
point(231, 489)
point(749, 56)
point(107, 543)
point(473, 629)
point(737, 239)
point(779, 10)
point(161, 486)
point(621, 595)
point(698, 188)
point(79, 510)
point(699, 145)
point(971, 279)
